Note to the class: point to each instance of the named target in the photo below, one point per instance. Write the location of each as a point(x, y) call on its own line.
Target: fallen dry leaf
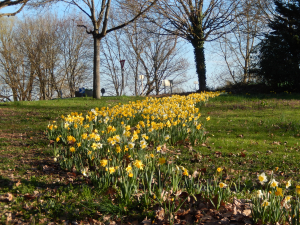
point(8, 218)
point(247, 212)
point(160, 214)
point(145, 221)
point(18, 183)
point(8, 197)
point(243, 154)
point(106, 218)
point(29, 196)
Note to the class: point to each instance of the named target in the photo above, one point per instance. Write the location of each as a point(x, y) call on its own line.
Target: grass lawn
point(245, 136)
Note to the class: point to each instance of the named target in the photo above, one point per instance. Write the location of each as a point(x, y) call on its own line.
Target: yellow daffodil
point(158, 148)
point(103, 162)
point(138, 164)
point(84, 136)
point(118, 149)
point(298, 189)
point(278, 192)
point(185, 172)
point(94, 146)
point(161, 161)
point(222, 185)
point(128, 168)
point(111, 170)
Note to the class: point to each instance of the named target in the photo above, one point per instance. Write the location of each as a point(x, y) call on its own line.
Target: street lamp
point(141, 77)
point(122, 71)
point(196, 82)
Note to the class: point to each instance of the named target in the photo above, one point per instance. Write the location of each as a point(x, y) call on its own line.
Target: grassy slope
point(246, 135)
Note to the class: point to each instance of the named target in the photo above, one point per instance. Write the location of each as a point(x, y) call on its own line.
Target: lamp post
point(122, 71)
point(141, 77)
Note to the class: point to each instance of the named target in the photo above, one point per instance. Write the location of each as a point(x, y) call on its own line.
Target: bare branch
point(6, 3)
point(133, 19)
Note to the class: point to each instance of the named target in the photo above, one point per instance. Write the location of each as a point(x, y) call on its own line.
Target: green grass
point(246, 135)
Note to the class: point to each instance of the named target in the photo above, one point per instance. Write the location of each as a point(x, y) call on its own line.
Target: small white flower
point(273, 183)
point(222, 185)
point(259, 194)
point(84, 172)
point(265, 203)
point(288, 184)
point(262, 178)
point(99, 145)
point(106, 119)
point(143, 142)
point(130, 145)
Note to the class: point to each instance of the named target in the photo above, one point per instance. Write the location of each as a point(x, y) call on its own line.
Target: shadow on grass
point(255, 97)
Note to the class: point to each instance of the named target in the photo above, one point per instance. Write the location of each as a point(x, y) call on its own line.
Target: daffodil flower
point(262, 178)
point(273, 183)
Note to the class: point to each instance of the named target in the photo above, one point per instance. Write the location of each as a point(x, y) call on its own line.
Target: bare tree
point(134, 41)
point(149, 54)
point(98, 14)
point(236, 48)
point(13, 63)
point(39, 38)
point(197, 21)
point(75, 55)
point(113, 53)
point(158, 57)
point(43, 55)
point(20, 3)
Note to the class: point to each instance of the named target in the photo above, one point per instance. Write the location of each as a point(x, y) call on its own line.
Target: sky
point(213, 63)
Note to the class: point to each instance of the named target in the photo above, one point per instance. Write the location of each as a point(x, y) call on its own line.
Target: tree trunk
point(200, 63)
point(96, 72)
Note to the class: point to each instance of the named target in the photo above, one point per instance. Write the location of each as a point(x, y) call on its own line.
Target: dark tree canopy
point(197, 21)
point(279, 58)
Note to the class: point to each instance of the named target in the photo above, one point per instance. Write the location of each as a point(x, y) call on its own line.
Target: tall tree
point(42, 56)
point(75, 54)
point(197, 21)
point(235, 48)
point(279, 58)
point(157, 57)
point(98, 14)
